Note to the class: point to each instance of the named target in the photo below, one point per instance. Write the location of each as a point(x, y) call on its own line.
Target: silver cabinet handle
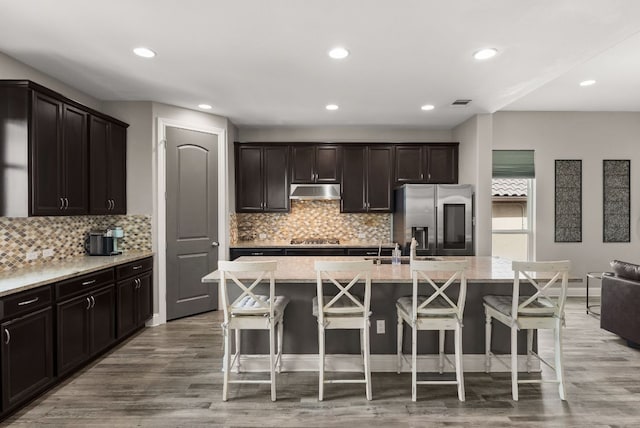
point(93, 301)
point(257, 254)
point(215, 244)
point(61, 203)
point(66, 203)
point(8, 336)
point(137, 267)
point(113, 204)
point(88, 303)
point(89, 282)
point(28, 302)
point(421, 176)
point(429, 176)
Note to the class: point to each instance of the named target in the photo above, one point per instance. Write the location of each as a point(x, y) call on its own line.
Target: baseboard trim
point(379, 363)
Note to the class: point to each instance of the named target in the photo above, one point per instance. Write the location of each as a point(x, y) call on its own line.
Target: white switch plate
point(262, 236)
point(380, 327)
point(361, 235)
point(47, 253)
point(32, 255)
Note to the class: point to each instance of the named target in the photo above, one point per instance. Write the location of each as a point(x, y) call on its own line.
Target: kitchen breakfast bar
point(295, 278)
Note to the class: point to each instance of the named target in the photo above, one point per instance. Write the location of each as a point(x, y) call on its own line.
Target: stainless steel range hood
point(315, 192)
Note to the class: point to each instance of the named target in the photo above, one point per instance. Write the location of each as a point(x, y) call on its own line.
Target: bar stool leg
point(399, 345)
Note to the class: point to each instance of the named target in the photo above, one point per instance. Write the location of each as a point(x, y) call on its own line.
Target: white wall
point(591, 137)
point(13, 69)
point(474, 136)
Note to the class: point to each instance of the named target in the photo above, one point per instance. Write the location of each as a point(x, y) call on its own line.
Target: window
point(512, 209)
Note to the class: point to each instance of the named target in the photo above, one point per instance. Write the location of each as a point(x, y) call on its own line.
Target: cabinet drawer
point(25, 301)
point(134, 268)
point(368, 251)
point(83, 283)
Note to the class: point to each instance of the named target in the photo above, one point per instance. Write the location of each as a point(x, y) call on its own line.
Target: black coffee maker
point(98, 243)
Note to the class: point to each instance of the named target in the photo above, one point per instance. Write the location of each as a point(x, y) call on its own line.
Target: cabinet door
point(409, 164)
point(74, 161)
point(73, 330)
point(27, 356)
point(249, 186)
point(442, 161)
point(145, 299)
point(118, 169)
point(275, 168)
point(98, 166)
point(46, 163)
point(379, 179)
point(126, 307)
point(102, 331)
point(327, 165)
point(354, 179)
point(302, 163)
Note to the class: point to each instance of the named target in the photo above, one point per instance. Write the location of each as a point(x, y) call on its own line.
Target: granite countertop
point(24, 279)
point(300, 269)
point(287, 244)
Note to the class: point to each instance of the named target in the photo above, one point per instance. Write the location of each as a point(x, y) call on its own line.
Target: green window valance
point(513, 164)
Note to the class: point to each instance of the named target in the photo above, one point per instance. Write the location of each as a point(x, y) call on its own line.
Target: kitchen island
point(296, 279)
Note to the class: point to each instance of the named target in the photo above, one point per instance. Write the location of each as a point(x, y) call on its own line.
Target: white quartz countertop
point(24, 279)
point(288, 244)
point(301, 270)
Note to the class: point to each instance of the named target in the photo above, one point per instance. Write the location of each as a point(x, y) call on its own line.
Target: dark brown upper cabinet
point(44, 144)
point(426, 163)
point(262, 179)
point(58, 157)
point(315, 163)
point(108, 167)
point(366, 178)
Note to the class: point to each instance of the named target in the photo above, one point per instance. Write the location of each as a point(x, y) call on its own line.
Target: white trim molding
point(160, 214)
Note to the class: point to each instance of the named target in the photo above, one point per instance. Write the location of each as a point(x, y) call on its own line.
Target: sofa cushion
point(626, 270)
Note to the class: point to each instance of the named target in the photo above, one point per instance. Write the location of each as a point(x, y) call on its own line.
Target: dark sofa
point(620, 311)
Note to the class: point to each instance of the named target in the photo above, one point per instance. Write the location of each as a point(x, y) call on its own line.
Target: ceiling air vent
point(460, 103)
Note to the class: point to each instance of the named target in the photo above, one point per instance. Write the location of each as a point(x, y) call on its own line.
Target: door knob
point(215, 244)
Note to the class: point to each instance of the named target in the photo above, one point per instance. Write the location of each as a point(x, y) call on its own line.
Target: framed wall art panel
point(616, 200)
point(568, 201)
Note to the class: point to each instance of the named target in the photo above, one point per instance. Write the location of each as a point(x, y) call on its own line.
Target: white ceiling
point(265, 63)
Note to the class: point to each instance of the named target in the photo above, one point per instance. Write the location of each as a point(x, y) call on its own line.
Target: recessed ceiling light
point(338, 53)
point(485, 53)
point(588, 82)
point(332, 107)
point(427, 107)
point(204, 106)
point(144, 52)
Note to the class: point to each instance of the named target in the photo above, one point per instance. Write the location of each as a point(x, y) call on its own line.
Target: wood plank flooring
point(169, 376)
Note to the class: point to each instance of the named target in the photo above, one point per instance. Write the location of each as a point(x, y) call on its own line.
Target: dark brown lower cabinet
point(135, 304)
point(27, 357)
point(86, 326)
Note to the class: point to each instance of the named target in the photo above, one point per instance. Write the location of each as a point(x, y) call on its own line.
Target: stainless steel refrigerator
point(439, 216)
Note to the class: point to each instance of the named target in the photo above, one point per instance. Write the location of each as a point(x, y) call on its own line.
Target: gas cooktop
point(314, 241)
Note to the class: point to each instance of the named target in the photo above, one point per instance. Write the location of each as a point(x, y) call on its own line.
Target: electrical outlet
point(262, 236)
point(380, 327)
point(32, 255)
point(47, 253)
point(361, 235)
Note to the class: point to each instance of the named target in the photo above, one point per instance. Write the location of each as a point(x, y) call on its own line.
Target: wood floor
point(169, 376)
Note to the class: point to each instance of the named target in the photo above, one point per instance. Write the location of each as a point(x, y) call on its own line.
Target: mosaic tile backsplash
point(65, 235)
point(309, 219)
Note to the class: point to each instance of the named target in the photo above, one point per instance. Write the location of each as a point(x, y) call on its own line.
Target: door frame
point(161, 203)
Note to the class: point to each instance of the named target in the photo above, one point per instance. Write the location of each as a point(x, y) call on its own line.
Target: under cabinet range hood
point(315, 192)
